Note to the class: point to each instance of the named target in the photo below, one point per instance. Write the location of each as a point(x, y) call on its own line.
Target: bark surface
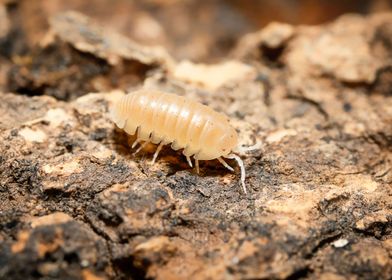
point(76, 204)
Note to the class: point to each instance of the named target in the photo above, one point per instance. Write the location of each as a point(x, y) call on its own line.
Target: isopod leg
point(137, 141)
point(197, 166)
point(242, 167)
point(141, 147)
point(157, 152)
point(225, 164)
point(188, 158)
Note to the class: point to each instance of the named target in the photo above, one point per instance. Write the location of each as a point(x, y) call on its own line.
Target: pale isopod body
point(164, 118)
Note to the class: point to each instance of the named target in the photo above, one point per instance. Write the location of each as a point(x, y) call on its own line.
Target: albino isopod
point(164, 118)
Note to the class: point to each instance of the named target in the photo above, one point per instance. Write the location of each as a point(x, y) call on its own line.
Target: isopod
point(163, 118)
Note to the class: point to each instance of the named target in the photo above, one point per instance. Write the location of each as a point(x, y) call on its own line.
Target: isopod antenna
point(243, 150)
point(242, 167)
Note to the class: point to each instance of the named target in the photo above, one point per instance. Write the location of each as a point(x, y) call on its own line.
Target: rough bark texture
point(76, 204)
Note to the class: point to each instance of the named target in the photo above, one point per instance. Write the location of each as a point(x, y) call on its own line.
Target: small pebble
point(340, 243)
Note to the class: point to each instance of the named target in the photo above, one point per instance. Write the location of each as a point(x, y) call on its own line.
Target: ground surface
point(76, 204)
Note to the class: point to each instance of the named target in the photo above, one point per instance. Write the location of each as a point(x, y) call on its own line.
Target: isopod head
point(228, 142)
point(219, 145)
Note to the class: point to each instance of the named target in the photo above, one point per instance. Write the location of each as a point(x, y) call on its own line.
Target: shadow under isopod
point(169, 161)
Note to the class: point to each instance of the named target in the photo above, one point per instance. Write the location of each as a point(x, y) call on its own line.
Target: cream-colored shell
point(160, 117)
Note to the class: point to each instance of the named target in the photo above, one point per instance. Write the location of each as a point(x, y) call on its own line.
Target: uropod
point(163, 118)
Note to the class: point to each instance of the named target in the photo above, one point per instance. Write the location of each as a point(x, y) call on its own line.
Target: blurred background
point(193, 29)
